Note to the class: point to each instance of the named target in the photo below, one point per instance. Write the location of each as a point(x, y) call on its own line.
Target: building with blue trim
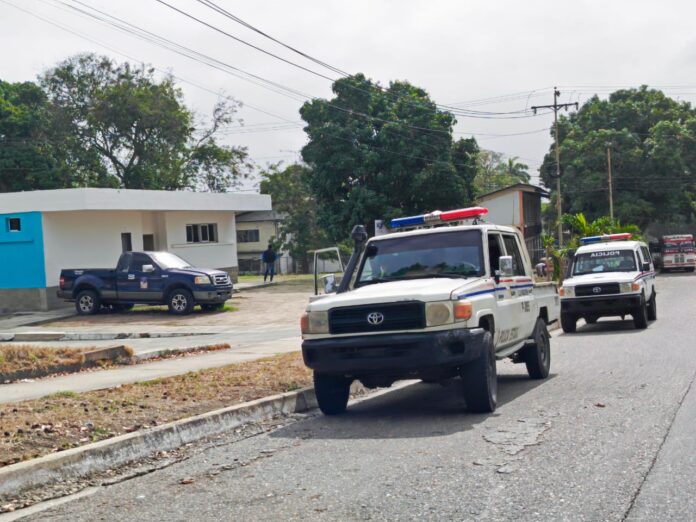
point(42, 232)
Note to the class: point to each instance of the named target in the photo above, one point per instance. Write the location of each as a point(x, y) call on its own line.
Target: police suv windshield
point(445, 254)
point(604, 261)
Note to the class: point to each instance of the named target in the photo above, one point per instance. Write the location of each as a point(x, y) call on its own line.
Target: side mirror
point(330, 286)
point(646, 267)
point(505, 264)
point(148, 269)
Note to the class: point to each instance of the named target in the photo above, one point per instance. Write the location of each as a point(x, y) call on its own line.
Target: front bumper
point(602, 305)
point(213, 295)
point(394, 354)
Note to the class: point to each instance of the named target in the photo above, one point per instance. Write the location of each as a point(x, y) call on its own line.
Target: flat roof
point(523, 187)
point(64, 200)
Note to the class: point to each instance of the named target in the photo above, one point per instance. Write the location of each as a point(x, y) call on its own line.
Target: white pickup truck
point(610, 276)
point(442, 300)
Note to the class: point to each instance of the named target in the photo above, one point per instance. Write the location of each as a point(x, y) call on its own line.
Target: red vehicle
point(678, 252)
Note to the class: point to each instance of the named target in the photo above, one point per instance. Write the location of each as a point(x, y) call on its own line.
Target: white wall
point(87, 239)
point(222, 254)
point(92, 239)
point(504, 209)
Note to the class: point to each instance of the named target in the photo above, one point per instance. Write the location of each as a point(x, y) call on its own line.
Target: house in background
point(518, 206)
point(42, 232)
point(254, 231)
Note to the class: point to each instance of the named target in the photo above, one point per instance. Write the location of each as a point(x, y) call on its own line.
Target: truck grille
point(385, 317)
point(221, 280)
point(604, 289)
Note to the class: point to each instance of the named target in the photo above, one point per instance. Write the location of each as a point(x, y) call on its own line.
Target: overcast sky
point(459, 51)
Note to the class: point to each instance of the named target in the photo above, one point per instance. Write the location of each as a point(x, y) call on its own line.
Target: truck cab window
point(137, 262)
point(494, 252)
point(514, 251)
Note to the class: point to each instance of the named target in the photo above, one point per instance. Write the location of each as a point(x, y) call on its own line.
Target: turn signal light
point(304, 323)
point(462, 310)
point(635, 287)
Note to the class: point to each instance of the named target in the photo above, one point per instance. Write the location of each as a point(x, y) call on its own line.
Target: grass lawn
point(30, 429)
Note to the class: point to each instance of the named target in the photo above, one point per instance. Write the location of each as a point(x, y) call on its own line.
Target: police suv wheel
point(652, 308)
point(568, 322)
point(180, 302)
point(481, 380)
point(640, 315)
point(332, 393)
point(538, 357)
point(87, 302)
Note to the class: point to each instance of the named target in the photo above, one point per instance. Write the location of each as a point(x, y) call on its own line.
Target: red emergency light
point(433, 217)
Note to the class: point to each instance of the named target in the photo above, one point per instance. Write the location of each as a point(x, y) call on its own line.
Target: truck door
point(522, 303)
point(136, 285)
point(503, 317)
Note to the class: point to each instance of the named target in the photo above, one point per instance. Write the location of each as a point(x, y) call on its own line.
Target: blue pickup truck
point(145, 278)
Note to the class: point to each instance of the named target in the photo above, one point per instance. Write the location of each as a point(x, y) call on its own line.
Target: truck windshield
point(442, 254)
point(167, 260)
point(604, 261)
point(673, 247)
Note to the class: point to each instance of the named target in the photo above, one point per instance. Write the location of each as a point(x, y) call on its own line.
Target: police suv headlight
point(202, 280)
point(315, 323)
point(438, 313)
point(567, 291)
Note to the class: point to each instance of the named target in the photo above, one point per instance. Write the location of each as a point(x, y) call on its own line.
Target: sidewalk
point(100, 379)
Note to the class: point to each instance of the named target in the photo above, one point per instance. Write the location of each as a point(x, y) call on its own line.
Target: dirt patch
point(23, 358)
point(66, 420)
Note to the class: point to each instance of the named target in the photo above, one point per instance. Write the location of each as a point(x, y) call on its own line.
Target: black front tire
point(481, 380)
point(537, 358)
point(87, 302)
point(332, 393)
point(568, 322)
point(652, 308)
point(591, 319)
point(640, 315)
point(180, 302)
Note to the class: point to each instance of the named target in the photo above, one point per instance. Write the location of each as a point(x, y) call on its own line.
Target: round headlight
point(438, 313)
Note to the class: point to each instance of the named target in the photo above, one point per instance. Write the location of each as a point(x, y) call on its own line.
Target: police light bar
point(606, 237)
point(437, 216)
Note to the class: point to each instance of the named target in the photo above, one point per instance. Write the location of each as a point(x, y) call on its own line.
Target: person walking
point(269, 258)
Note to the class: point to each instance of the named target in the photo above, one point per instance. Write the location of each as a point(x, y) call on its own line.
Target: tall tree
point(494, 172)
point(29, 160)
point(291, 195)
point(653, 151)
point(378, 153)
point(134, 131)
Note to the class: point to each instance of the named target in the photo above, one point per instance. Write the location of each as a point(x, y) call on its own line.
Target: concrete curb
point(110, 453)
point(163, 352)
point(26, 337)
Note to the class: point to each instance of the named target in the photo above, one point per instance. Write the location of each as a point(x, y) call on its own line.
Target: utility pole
point(555, 107)
point(611, 191)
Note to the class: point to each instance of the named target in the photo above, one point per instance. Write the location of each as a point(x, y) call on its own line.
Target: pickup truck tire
point(640, 315)
point(591, 319)
point(180, 301)
point(537, 358)
point(332, 393)
point(87, 302)
point(568, 322)
point(652, 308)
point(481, 380)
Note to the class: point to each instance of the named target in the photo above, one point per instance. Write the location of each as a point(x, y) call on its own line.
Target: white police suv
point(610, 276)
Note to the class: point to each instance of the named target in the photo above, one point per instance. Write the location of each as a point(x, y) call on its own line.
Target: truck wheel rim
point(86, 303)
point(179, 303)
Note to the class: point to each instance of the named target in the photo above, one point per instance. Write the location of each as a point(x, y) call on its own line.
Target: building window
point(248, 236)
point(14, 225)
point(203, 233)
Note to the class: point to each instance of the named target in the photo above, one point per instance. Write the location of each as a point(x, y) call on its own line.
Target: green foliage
point(28, 159)
point(379, 153)
point(653, 144)
point(291, 195)
point(93, 122)
point(494, 173)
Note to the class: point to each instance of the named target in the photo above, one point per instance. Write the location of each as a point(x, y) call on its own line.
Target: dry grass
point(65, 420)
point(16, 358)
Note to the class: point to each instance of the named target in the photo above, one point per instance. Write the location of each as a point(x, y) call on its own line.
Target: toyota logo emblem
point(596, 289)
point(375, 318)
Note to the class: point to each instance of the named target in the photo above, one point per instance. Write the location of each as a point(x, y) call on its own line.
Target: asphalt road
point(609, 436)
